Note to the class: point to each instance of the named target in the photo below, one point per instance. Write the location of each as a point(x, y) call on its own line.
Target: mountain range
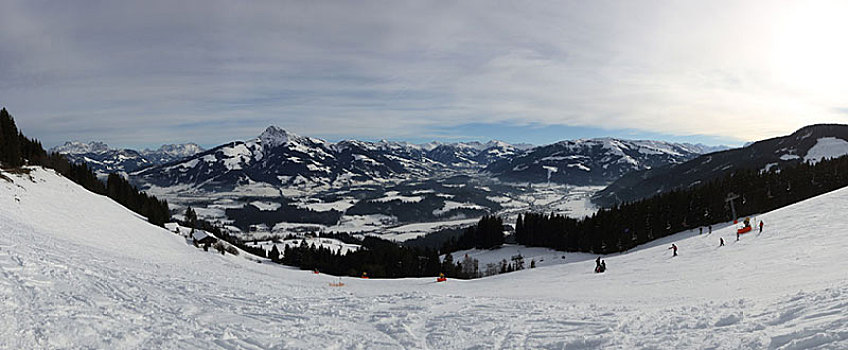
point(589, 161)
point(281, 158)
point(281, 177)
point(809, 144)
point(104, 160)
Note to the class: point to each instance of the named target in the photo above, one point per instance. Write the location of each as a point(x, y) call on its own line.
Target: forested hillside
point(628, 225)
point(17, 150)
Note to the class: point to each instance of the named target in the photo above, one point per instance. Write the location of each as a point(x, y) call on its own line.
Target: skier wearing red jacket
point(674, 247)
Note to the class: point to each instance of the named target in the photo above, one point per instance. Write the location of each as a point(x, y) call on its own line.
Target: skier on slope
point(721, 242)
point(761, 226)
point(603, 266)
point(674, 248)
point(598, 265)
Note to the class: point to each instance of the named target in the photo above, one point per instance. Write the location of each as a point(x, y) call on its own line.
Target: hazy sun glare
point(810, 52)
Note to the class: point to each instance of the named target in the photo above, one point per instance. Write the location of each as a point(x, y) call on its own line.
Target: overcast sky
point(150, 72)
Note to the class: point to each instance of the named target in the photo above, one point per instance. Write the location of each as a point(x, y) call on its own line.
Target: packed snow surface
point(79, 271)
point(542, 256)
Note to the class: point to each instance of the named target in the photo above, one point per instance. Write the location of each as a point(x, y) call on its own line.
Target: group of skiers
point(601, 266)
point(747, 224)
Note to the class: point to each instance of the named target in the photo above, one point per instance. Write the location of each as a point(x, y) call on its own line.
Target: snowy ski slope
point(79, 271)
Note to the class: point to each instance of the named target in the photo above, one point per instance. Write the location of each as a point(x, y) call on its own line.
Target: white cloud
point(153, 72)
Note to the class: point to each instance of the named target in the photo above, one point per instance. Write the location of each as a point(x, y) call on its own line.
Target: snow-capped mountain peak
point(274, 136)
point(104, 160)
point(77, 147)
point(385, 144)
point(704, 149)
point(429, 146)
point(176, 150)
point(499, 144)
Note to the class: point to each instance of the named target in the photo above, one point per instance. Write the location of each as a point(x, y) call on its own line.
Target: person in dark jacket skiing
point(603, 266)
point(761, 226)
point(598, 265)
point(674, 249)
point(721, 242)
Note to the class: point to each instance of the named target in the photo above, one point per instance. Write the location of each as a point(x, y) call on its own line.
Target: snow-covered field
point(334, 245)
point(79, 271)
point(410, 231)
point(573, 201)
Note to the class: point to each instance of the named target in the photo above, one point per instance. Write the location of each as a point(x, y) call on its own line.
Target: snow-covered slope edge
point(68, 212)
point(77, 270)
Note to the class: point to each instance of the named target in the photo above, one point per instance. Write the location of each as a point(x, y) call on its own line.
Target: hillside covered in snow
point(810, 144)
point(591, 161)
point(79, 270)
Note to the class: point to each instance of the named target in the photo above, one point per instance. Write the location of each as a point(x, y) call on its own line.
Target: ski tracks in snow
point(67, 286)
point(51, 300)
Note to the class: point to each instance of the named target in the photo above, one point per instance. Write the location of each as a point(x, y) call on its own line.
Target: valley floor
point(79, 271)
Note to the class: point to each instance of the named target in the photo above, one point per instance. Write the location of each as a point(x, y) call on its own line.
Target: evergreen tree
point(630, 224)
point(17, 150)
point(518, 261)
point(447, 265)
point(488, 233)
point(191, 218)
point(274, 255)
point(10, 148)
